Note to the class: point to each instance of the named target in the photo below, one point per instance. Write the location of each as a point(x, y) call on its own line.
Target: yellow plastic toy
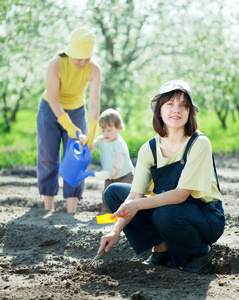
point(104, 219)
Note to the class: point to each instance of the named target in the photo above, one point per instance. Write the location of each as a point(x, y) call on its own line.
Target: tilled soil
point(44, 255)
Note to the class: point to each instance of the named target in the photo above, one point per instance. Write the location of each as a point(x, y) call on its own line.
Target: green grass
point(223, 141)
point(18, 146)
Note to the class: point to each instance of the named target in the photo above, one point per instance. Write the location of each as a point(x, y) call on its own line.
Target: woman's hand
point(127, 210)
point(108, 241)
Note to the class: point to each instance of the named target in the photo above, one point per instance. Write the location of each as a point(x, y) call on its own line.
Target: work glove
point(67, 124)
point(92, 128)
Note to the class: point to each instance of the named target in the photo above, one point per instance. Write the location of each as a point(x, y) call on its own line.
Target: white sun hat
point(172, 86)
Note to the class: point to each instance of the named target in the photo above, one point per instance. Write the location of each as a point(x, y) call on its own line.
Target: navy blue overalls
point(49, 136)
point(187, 228)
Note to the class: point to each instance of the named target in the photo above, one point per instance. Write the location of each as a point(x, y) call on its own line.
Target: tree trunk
point(5, 112)
point(222, 117)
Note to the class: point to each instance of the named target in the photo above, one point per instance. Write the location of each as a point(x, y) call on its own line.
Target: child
point(113, 150)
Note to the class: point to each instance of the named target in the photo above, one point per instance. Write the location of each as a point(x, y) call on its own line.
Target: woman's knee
point(109, 193)
point(164, 218)
point(115, 194)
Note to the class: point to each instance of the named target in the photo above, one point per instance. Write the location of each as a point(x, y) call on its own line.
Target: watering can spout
point(83, 174)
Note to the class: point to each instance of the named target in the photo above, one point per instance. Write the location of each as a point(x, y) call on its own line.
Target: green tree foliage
point(141, 44)
point(215, 65)
point(123, 35)
point(25, 40)
point(209, 55)
point(134, 46)
point(144, 44)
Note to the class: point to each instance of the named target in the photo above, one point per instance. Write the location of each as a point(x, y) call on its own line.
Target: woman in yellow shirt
point(62, 113)
point(183, 215)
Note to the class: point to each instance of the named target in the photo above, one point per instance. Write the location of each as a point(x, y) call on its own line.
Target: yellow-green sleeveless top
point(73, 84)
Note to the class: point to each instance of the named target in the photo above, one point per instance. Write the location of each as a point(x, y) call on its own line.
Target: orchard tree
point(27, 36)
point(131, 35)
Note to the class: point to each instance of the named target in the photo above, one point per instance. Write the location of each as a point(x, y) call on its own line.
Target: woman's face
point(175, 112)
point(80, 63)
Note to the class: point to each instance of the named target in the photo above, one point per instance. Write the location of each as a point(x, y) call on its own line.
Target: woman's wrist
point(139, 203)
point(116, 230)
point(120, 225)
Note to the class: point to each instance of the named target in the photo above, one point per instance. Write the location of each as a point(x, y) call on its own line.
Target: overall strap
point(152, 144)
point(190, 143)
point(215, 171)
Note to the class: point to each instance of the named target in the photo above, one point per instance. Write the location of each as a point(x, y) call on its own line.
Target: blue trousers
point(187, 228)
point(49, 136)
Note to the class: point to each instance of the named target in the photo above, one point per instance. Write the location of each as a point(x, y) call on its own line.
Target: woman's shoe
point(197, 264)
point(158, 258)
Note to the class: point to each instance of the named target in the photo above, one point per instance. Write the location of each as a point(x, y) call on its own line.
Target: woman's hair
point(192, 124)
point(62, 54)
point(111, 117)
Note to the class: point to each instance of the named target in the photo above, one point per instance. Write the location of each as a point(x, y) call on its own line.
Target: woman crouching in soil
point(183, 215)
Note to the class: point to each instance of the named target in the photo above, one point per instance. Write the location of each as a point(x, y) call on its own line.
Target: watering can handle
point(84, 147)
point(78, 136)
point(70, 140)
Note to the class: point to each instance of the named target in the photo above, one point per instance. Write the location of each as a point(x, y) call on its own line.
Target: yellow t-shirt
point(73, 84)
point(198, 174)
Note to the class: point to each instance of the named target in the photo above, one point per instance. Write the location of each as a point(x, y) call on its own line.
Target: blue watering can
point(75, 162)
